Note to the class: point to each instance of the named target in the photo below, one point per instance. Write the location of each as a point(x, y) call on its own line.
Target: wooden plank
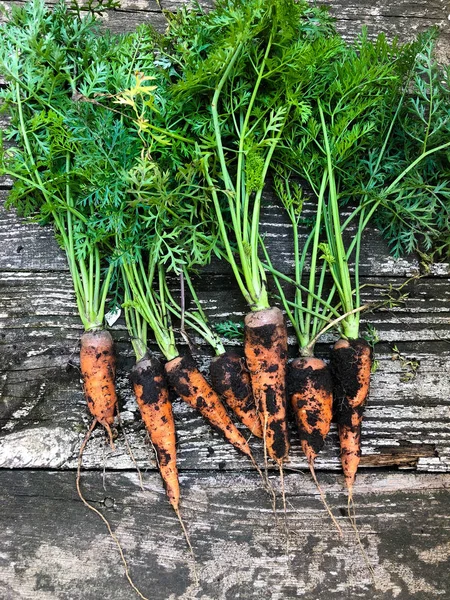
point(403, 19)
point(41, 330)
point(28, 246)
point(44, 415)
point(436, 10)
point(39, 301)
point(53, 547)
point(40, 382)
point(409, 9)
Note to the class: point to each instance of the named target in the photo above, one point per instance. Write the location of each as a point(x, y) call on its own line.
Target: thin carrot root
point(98, 513)
point(189, 545)
point(283, 497)
point(323, 497)
point(231, 380)
point(351, 363)
point(352, 519)
point(152, 396)
point(98, 369)
point(265, 349)
point(266, 483)
point(130, 451)
point(192, 387)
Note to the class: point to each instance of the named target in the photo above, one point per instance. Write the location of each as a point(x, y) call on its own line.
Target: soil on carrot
point(355, 433)
point(152, 378)
point(262, 336)
point(279, 445)
point(228, 372)
point(181, 373)
point(201, 403)
point(299, 381)
point(345, 364)
point(164, 458)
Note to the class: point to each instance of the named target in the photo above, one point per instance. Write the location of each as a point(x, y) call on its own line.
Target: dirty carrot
point(312, 402)
point(192, 387)
point(265, 349)
point(98, 369)
point(351, 356)
point(351, 363)
point(230, 378)
point(152, 396)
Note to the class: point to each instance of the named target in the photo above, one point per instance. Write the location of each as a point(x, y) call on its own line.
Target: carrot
point(231, 380)
point(311, 395)
point(98, 369)
point(152, 395)
point(351, 363)
point(192, 387)
point(265, 349)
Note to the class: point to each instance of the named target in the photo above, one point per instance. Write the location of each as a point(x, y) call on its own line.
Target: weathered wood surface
point(402, 18)
point(40, 387)
point(52, 548)
point(51, 542)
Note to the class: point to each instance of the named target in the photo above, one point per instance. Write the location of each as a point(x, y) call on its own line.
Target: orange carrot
point(266, 354)
point(311, 394)
point(231, 380)
point(98, 369)
point(351, 363)
point(152, 395)
point(192, 387)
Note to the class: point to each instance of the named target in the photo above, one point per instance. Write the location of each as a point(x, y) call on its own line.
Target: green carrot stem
point(97, 277)
point(103, 295)
point(298, 315)
point(269, 267)
point(145, 304)
point(215, 115)
point(243, 134)
point(318, 308)
point(194, 295)
point(132, 321)
point(91, 284)
point(315, 248)
point(224, 236)
point(341, 256)
point(197, 322)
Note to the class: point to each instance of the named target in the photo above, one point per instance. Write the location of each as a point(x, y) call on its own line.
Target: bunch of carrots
point(150, 155)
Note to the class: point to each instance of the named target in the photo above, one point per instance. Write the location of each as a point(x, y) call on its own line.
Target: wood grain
point(44, 414)
point(54, 549)
point(57, 549)
point(29, 246)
